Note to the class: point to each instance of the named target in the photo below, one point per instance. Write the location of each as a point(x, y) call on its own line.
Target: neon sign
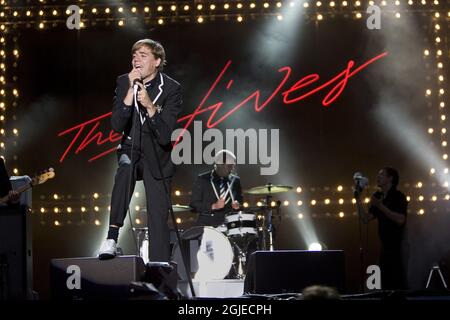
point(86, 133)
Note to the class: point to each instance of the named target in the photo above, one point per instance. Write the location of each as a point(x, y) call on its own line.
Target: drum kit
point(222, 252)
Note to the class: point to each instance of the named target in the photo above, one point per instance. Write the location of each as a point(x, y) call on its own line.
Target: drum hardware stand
point(269, 224)
point(241, 260)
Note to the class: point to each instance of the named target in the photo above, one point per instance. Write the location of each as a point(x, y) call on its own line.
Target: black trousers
point(157, 206)
point(393, 271)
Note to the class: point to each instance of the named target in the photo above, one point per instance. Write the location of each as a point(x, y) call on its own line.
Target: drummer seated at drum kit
point(217, 192)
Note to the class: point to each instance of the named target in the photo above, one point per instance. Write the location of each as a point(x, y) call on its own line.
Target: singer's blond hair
point(155, 47)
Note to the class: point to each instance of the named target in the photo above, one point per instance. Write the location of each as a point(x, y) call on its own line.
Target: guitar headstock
point(43, 177)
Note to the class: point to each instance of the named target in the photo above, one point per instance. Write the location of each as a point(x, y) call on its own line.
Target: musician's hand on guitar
point(235, 205)
point(219, 204)
point(14, 196)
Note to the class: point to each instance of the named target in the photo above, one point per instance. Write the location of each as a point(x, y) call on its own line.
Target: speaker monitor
point(272, 272)
point(16, 268)
point(91, 278)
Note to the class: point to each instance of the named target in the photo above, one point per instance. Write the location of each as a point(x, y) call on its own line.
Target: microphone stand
point(357, 193)
point(172, 215)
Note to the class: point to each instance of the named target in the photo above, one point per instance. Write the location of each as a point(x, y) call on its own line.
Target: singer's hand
point(144, 99)
point(376, 202)
point(219, 204)
point(135, 74)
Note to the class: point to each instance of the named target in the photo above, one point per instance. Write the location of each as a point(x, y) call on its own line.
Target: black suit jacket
point(167, 96)
point(203, 195)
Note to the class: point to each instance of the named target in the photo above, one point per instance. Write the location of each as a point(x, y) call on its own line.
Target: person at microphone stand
point(146, 105)
point(389, 206)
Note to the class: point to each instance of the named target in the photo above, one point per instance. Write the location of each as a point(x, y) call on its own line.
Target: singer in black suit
point(207, 200)
point(145, 109)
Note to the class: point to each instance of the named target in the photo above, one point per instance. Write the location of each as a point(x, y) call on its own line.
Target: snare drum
point(241, 224)
point(209, 254)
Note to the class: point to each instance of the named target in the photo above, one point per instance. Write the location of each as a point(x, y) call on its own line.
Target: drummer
point(217, 192)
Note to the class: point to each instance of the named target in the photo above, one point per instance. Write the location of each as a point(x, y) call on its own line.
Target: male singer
point(145, 109)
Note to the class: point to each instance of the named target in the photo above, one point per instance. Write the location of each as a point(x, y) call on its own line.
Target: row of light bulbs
point(178, 220)
point(286, 203)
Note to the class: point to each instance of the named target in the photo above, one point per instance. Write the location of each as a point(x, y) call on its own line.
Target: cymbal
point(180, 208)
point(268, 189)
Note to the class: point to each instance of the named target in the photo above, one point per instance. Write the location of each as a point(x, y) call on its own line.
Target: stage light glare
point(357, 3)
point(445, 156)
point(432, 171)
point(341, 201)
point(439, 52)
point(318, 3)
point(245, 204)
point(305, 5)
point(313, 202)
point(240, 19)
point(428, 92)
point(56, 223)
point(426, 52)
point(95, 195)
point(353, 201)
point(341, 214)
point(278, 4)
point(159, 8)
point(397, 15)
point(173, 7)
point(279, 17)
point(299, 189)
point(177, 193)
point(136, 194)
point(433, 198)
point(340, 188)
point(147, 9)
point(134, 9)
point(200, 19)
point(344, 3)
point(421, 212)
point(55, 196)
point(160, 21)
point(319, 17)
point(445, 170)
point(97, 222)
point(441, 91)
point(299, 203)
point(212, 7)
point(138, 221)
point(69, 209)
point(440, 65)
point(300, 215)
point(383, 3)
point(430, 130)
point(447, 197)
point(226, 6)
point(327, 201)
point(120, 9)
point(419, 184)
point(444, 131)
point(286, 203)
point(178, 220)
point(444, 143)
point(42, 210)
point(358, 15)
point(443, 117)
point(55, 209)
point(332, 4)
point(438, 39)
point(265, 5)
point(420, 198)
point(408, 198)
point(83, 209)
point(137, 208)
point(315, 246)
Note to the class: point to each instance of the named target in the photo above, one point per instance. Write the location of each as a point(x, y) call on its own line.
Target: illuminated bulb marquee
point(45, 14)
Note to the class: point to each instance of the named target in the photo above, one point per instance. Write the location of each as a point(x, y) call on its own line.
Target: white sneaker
point(108, 249)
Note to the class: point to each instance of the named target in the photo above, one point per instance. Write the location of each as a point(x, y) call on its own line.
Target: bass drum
point(208, 252)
